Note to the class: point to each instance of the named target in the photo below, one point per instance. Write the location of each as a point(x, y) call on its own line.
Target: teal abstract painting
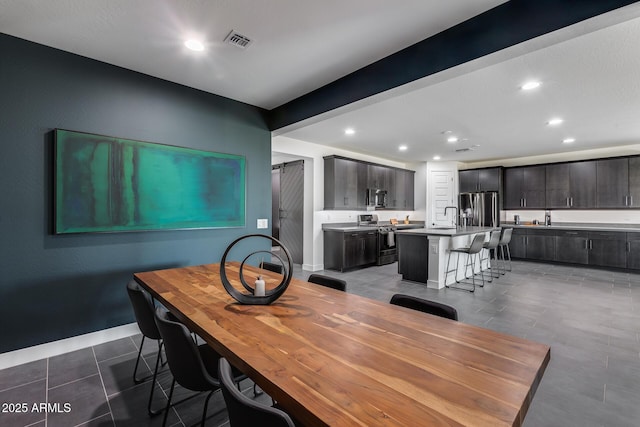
point(107, 184)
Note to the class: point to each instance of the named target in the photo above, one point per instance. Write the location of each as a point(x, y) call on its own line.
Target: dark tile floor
point(589, 317)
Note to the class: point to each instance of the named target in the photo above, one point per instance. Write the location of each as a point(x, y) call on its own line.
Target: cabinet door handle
point(525, 202)
point(626, 200)
point(571, 198)
point(568, 202)
point(590, 244)
point(586, 244)
point(628, 247)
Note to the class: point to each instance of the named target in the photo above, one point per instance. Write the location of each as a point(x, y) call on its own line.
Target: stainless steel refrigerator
point(479, 209)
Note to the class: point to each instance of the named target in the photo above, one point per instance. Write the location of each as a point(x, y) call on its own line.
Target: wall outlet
point(434, 249)
point(263, 223)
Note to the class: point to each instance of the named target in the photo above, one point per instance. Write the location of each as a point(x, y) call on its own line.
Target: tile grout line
point(104, 389)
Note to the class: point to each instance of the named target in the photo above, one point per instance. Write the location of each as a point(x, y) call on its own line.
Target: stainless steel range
point(387, 251)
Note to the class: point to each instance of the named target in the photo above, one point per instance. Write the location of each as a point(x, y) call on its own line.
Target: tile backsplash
point(618, 216)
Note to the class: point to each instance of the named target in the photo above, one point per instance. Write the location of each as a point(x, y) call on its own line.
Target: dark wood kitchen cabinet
point(612, 189)
point(571, 185)
point(402, 197)
point(533, 244)
point(525, 187)
point(634, 182)
point(344, 184)
point(472, 180)
point(518, 244)
point(541, 244)
point(608, 249)
point(633, 251)
point(346, 250)
point(572, 247)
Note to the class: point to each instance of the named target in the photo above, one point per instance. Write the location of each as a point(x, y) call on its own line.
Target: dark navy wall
point(54, 287)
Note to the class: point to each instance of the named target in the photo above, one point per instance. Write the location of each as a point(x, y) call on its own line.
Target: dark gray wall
point(54, 287)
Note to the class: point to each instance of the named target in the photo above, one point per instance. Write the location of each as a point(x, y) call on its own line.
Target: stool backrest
point(476, 244)
point(506, 236)
point(494, 239)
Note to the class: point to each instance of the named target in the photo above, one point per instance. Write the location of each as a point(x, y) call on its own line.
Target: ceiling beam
point(506, 25)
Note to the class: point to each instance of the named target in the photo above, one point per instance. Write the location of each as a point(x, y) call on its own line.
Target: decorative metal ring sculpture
point(270, 295)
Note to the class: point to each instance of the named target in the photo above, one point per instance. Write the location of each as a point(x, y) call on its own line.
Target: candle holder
point(270, 295)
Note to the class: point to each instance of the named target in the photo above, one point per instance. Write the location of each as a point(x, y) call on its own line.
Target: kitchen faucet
point(453, 222)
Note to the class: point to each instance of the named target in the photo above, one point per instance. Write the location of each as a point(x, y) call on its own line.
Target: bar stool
point(492, 245)
point(471, 251)
point(505, 238)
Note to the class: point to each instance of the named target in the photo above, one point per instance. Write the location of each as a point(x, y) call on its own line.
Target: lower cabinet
point(608, 249)
point(518, 244)
point(597, 248)
point(633, 251)
point(533, 244)
point(572, 246)
point(346, 250)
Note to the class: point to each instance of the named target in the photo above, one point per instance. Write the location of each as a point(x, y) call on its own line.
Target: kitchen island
point(423, 253)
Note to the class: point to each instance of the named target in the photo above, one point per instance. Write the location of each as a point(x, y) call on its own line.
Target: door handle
point(571, 199)
point(590, 244)
point(628, 247)
point(568, 202)
point(626, 200)
point(525, 202)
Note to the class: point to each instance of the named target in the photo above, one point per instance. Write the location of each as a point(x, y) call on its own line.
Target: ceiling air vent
point(465, 149)
point(237, 39)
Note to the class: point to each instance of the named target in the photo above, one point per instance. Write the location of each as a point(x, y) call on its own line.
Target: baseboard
point(55, 348)
point(312, 267)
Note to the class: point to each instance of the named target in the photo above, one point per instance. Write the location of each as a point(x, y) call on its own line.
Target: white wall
point(315, 215)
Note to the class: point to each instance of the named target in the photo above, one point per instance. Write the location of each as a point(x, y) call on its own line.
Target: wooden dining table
point(332, 358)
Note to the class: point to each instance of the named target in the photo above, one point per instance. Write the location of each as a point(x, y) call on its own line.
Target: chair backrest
point(143, 309)
point(426, 306)
point(182, 353)
point(506, 236)
point(329, 282)
point(476, 243)
point(271, 266)
point(243, 411)
point(494, 240)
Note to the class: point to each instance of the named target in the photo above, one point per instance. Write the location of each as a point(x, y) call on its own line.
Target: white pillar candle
point(258, 289)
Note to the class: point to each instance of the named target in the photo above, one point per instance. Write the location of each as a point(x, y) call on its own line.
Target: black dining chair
point(143, 309)
point(271, 266)
point(329, 282)
point(194, 367)
point(425, 306)
point(244, 412)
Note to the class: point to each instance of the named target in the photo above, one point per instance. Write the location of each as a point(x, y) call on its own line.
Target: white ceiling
point(590, 77)
point(589, 71)
point(298, 45)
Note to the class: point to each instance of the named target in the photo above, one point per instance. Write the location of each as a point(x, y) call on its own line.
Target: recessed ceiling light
point(436, 157)
point(349, 131)
point(530, 85)
point(568, 140)
point(452, 139)
point(402, 147)
point(194, 45)
point(554, 122)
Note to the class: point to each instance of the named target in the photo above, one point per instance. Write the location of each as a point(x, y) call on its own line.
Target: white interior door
point(442, 195)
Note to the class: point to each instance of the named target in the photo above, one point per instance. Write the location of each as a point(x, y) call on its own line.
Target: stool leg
point(509, 256)
point(471, 260)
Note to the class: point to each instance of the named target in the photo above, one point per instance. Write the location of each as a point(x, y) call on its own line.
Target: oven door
point(387, 251)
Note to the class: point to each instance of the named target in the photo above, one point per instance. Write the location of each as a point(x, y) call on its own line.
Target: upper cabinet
point(571, 185)
point(346, 182)
point(524, 187)
point(402, 198)
point(612, 187)
point(472, 180)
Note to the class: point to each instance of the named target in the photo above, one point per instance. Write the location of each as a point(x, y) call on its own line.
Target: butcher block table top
point(331, 358)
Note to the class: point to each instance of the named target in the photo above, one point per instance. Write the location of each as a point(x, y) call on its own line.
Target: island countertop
point(447, 232)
